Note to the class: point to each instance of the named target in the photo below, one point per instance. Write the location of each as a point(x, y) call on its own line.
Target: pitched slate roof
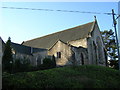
point(21, 48)
point(25, 49)
point(75, 33)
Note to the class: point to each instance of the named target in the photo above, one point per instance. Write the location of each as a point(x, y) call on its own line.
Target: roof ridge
point(59, 31)
point(56, 42)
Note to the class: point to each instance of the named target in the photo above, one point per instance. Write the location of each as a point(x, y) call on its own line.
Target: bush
point(114, 64)
point(49, 63)
point(21, 65)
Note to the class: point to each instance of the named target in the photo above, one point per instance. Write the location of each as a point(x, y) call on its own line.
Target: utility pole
point(114, 22)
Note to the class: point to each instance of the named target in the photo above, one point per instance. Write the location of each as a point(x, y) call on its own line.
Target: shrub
point(21, 65)
point(114, 64)
point(49, 63)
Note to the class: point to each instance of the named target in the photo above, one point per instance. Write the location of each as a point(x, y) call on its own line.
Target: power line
point(57, 10)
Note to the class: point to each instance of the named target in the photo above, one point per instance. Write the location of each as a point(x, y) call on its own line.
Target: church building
point(80, 45)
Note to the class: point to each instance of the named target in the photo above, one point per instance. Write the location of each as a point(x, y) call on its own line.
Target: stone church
point(80, 45)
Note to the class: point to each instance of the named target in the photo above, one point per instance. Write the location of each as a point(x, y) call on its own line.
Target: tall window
point(39, 60)
point(58, 54)
point(100, 52)
point(95, 52)
point(82, 59)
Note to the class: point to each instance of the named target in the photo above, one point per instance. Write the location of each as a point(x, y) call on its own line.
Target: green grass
point(87, 76)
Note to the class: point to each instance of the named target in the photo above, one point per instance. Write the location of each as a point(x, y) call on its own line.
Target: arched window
point(91, 52)
point(95, 52)
point(100, 50)
point(82, 59)
point(39, 60)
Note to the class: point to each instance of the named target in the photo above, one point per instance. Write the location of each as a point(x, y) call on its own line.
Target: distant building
point(2, 46)
point(80, 45)
point(35, 55)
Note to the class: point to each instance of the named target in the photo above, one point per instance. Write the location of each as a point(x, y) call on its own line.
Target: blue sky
point(22, 25)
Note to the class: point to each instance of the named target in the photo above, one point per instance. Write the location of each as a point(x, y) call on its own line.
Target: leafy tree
point(7, 58)
point(114, 64)
point(110, 44)
point(53, 61)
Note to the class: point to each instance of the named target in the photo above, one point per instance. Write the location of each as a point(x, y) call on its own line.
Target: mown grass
point(86, 76)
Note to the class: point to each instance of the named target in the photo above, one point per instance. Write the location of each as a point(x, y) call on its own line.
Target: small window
point(58, 54)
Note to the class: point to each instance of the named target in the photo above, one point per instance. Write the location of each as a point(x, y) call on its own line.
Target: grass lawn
point(86, 76)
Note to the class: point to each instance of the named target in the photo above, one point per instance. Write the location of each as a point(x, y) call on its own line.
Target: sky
point(22, 25)
point(119, 25)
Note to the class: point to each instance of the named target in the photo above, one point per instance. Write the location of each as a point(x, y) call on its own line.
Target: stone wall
point(81, 55)
point(78, 43)
point(22, 56)
point(96, 47)
point(38, 57)
point(2, 47)
point(64, 50)
point(34, 58)
point(1, 53)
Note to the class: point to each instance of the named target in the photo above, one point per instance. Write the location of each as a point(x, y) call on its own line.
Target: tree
point(53, 61)
point(110, 44)
point(7, 58)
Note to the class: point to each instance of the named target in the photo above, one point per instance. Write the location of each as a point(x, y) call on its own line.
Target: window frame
point(58, 54)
